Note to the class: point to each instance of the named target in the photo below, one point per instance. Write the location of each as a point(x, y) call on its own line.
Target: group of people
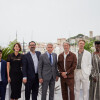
point(33, 68)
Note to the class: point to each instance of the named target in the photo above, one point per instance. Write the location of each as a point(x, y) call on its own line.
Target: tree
point(8, 50)
point(89, 45)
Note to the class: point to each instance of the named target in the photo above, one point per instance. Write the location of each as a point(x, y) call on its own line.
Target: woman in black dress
point(14, 65)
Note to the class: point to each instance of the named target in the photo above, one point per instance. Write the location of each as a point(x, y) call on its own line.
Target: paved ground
point(58, 95)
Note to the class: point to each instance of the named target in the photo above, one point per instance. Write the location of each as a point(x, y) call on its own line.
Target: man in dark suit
point(3, 77)
point(48, 73)
point(30, 74)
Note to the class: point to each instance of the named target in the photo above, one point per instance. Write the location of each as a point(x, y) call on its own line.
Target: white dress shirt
point(35, 60)
point(65, 55)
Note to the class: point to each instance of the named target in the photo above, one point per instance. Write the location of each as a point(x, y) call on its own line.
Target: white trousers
point(79, 79)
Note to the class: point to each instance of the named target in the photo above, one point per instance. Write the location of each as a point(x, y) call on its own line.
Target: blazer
point(86, 64)
point(71, 63)
point(28, 69)
point(4, 71)
point(45, 69)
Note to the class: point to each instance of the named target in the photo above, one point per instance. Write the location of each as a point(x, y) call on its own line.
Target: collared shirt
point(80, 55)
point(35, 60)
point(0, 72)
point(65, 55)
point(51, 57)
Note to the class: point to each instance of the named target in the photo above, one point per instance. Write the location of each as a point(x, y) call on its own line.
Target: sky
point(47, 20)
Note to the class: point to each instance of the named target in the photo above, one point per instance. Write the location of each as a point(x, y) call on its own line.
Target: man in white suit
point(82, 71)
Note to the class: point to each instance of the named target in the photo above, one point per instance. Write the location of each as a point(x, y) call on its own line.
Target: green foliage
point(89, 45)
point(73, 44)
point(8, 50)
point(77, 36)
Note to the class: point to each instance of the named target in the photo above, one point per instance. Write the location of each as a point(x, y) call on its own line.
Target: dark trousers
point(32, 85)
point(65, 84)
point(2, 91)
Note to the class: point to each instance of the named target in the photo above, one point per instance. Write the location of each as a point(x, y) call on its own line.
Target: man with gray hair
point(47, 71)
point(66, 64)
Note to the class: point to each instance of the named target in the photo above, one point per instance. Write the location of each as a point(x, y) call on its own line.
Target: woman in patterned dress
point(95, 74)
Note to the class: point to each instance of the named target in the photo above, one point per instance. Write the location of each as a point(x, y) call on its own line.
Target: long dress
point(15, 75)
point(94, 93)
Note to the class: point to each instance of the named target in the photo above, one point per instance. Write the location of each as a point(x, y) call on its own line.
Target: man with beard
point(30, 73)
point(66, 65)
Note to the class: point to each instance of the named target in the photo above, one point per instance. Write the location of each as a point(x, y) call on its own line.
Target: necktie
point(50, 58)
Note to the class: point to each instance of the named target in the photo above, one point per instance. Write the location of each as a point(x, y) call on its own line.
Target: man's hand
point(57, 78)
point(24, 80)
point(41, 80)
point(9, 80)
point(64, 74)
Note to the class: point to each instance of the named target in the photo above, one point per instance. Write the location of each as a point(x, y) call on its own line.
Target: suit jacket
point(45, 69)
point(70, 63)
point(86, 64)
point(4, 71)
point(28, 65)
